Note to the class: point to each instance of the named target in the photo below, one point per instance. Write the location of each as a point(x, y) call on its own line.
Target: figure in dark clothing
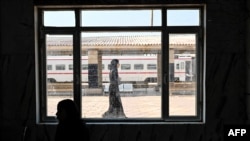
point(70, 126)
point(115, 104)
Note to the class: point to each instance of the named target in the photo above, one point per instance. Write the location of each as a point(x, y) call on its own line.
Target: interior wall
point(226, 81)
point(248, 62)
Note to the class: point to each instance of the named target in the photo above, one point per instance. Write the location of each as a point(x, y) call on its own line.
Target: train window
point(49, 67)
point(84, 67)
point(151, 66)
point(60, 67)
point(70, 67)
point(125, 66)
point(177, 66)
point(160, 49)
point(182, 65)
point(138, 66)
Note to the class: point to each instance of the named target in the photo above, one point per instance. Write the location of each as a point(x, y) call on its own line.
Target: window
point(57, 18)
point(60, 67)
point(118, 18)
point(84, 67)
point(182, 65)
point(168, 40)
point(175, 17)
point(177, 66)
point(49, 67)
point(151, 66)
point(138, 66)
point(125, 66)
point(70, 67)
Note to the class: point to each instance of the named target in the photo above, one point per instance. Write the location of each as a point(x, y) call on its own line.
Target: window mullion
point(200, 84)
point(165, 67)
point(77, 62)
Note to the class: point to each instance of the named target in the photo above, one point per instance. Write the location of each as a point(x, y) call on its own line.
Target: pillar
point(94, 69)
point(159, 69)
point(171, 65)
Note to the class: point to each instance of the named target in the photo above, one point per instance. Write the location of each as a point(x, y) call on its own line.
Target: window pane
point(70, 67)
point(49, 67)
point(183, 17)
point(59, 84)
point(138, 66)
point(125, 66)
point(121, 18)
point(182, 75)
point(84, 66)
point(151, 66)
point(59, 18)
point(60, 67)
point(138, 97)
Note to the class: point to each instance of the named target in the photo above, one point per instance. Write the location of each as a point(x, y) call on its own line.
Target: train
point(132, 68)
point(184, 68)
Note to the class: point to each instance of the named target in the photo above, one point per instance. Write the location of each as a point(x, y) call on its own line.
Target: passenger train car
point(132, 68)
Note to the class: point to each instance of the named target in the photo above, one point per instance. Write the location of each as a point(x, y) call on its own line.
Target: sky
point(125, 18)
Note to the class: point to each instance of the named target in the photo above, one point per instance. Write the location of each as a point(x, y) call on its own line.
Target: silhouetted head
point(67, 110)
point(114, 64)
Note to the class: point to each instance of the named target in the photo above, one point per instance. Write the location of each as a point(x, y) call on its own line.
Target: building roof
point(120, 44)
point(122, 41)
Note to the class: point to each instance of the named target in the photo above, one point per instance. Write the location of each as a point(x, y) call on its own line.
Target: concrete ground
point(134, 105)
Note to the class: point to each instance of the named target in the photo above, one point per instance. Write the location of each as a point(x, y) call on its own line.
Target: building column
point(171, 65)
point(94, 69)
point(159, 70)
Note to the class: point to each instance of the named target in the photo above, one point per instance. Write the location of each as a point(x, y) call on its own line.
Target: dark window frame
point(41, 31)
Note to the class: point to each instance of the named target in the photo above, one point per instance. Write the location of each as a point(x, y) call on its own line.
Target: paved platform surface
point(139, 106)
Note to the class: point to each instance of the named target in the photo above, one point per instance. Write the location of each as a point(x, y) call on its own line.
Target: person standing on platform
point(115, 109)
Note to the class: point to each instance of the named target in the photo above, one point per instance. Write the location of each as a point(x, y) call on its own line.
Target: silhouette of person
point(115, 109)
point(70, 126)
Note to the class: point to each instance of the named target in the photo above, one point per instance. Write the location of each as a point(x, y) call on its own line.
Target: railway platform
point(140, 106)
